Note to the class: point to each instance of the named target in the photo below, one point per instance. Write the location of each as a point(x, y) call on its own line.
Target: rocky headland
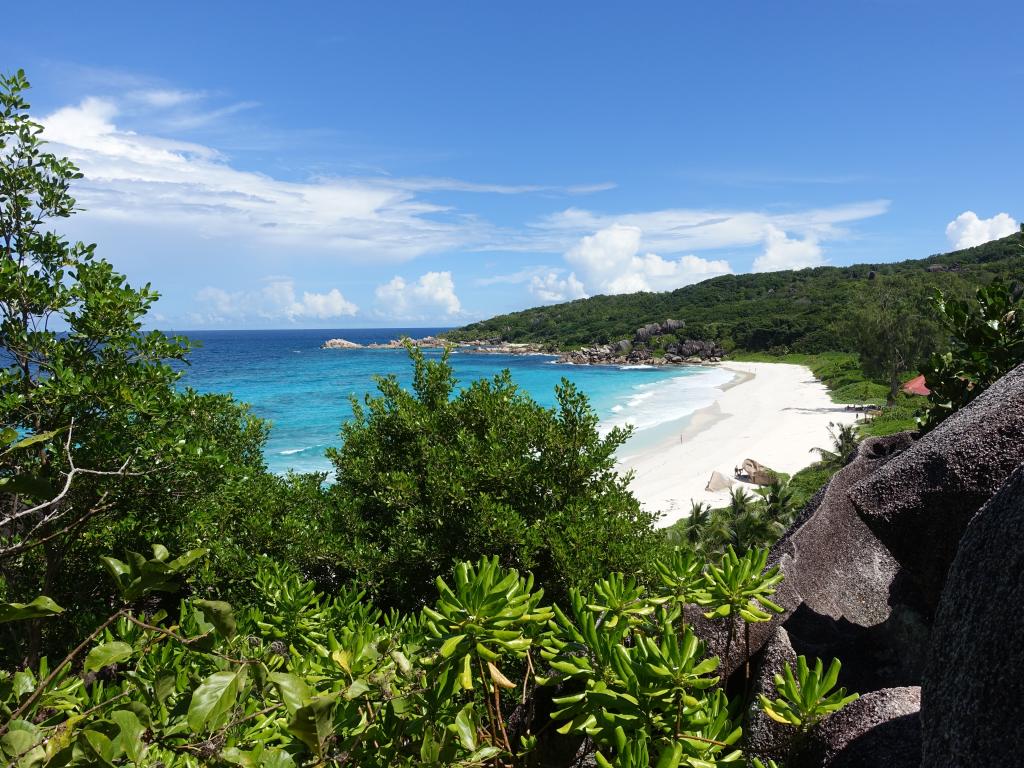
point(652, 344)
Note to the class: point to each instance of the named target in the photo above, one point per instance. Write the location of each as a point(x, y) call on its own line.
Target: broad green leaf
point(293, 690)
point(465, 728)
point(38, 608)
point(220, 615)
point(105, 654)
point(28, 485)
point(131, 733)
point(42, 437)
point(313, 723)
point(212, 701)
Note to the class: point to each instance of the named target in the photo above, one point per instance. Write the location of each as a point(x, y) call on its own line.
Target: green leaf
point(466, 675)
point(131, 733)
point(292, 689)
point(313, 723)
point(105, 654)
point(213, 700)
point(465, 728)
point(186, 560)
point(450, 645)
point(220, 615)
point(164, 686)
point(357, 689)
point(38, 608)
point(34, 439)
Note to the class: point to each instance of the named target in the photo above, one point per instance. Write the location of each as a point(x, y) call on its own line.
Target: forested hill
point(774, 311)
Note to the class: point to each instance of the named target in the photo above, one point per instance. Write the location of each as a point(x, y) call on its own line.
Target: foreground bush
point(299, 678)
point(438, 475)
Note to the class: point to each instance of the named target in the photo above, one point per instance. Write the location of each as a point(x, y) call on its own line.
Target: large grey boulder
point(881, 728)
point(842, 592)
point(972, 706)
point(919, 504)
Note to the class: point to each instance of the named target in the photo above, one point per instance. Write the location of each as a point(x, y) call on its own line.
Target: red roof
point(916, 386)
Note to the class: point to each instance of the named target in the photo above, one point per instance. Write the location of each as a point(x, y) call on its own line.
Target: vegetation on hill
point(779, 312)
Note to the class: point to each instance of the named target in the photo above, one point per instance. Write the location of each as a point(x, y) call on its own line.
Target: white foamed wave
point(653, 403)
point(636, 367)
point(304, 449)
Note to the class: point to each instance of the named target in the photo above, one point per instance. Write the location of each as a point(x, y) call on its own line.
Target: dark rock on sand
point(973, 691)
point(920, 503)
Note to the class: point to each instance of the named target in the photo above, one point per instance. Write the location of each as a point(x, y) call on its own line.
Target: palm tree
point(697, 523)
point(718, 531)
point(739, 501)
point(753, 528)
point(844, 441)
point(777, 502)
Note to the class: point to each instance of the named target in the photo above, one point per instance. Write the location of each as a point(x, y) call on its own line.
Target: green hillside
point(791, 311)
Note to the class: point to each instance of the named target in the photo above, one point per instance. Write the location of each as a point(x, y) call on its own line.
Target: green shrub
point(436, 475)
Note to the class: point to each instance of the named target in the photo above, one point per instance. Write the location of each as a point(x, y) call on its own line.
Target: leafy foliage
point(304, 679)
point(808, 696)
point(987, 342)
point(890, 333)
point(115, 453)
point(437, 475)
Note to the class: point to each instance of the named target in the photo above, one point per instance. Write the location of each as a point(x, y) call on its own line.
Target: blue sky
point(372, 164)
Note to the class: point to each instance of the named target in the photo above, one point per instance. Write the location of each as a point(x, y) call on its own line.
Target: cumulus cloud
point(782, 252)
point(610, 261)
point(432, 295)
point(276, 300)
point(552, 287)
point(967, 230)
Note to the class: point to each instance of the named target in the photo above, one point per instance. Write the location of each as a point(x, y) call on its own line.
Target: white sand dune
point(774, 413)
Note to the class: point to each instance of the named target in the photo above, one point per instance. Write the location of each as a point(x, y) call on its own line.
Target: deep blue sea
point(304, 390)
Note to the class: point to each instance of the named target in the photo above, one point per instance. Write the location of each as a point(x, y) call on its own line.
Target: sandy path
point(774, 413)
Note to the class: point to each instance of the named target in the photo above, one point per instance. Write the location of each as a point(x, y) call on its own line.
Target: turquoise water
point(304, 390)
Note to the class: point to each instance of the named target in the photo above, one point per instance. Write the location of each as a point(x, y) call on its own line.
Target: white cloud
point(782, 252)
point(552, 287)
point(685, 230)
point(432, 295)
point(610, 261)
point(277, 300)
point(140, 179)
point(967, 230)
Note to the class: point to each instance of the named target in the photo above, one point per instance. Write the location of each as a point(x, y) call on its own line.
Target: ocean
point(304, 390)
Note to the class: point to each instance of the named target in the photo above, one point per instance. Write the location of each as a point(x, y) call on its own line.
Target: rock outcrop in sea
point(909, 568)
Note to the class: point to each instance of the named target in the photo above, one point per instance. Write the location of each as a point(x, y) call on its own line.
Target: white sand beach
point(774, 413)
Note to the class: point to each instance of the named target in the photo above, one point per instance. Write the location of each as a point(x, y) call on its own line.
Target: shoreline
point(775, 413)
